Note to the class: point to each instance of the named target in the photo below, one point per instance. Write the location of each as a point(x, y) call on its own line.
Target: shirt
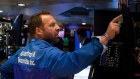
point(40, 60)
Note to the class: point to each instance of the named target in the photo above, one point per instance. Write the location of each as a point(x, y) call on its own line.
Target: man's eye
point(52, 25)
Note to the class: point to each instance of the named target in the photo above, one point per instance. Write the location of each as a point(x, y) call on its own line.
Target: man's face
point(50, 29)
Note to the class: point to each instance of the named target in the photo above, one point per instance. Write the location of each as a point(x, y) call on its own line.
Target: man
point(82, 36)
point(40, 60)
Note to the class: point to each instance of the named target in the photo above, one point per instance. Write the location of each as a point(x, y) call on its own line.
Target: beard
point(52, 40)
point(56, 40)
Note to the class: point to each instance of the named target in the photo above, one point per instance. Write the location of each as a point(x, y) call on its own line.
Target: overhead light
point(1, 11)
point(84, 23)
point(20, 4)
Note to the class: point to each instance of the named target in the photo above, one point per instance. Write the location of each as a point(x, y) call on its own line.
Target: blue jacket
point(40, 60)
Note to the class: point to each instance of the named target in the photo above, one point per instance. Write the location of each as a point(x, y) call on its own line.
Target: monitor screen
point(83, 74)
point(61, 33)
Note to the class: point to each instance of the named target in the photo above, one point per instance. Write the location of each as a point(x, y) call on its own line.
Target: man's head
point(44, 26)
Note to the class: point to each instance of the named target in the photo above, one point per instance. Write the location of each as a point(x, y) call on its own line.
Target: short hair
point(82, 32)
point(36, 21)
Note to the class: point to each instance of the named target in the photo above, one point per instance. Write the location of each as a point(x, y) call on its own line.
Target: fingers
point(116, 19)
point(116, 27)
point(117, 30)
point(115, 23)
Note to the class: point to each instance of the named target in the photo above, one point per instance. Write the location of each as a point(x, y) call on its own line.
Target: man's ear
point(39, 30)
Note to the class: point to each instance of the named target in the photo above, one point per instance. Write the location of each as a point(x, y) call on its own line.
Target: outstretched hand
point(113, 27)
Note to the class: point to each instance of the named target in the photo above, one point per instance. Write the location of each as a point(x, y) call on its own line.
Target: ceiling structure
point(59, 8)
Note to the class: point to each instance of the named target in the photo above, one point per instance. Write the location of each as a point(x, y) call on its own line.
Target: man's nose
point(58, 27)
